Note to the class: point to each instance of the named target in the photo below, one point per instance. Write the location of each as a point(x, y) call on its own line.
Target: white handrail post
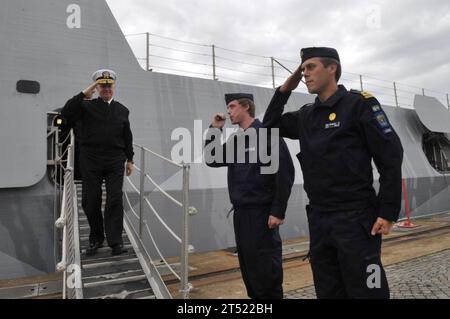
point(141, 191)
point(273, 72)
point(56, 202)
point(214, 62)
point(72, 143)
point(395, 94)
point(185, 232)
point(147, 52)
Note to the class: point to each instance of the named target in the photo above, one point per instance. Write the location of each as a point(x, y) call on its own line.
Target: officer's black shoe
point(93, 247)
point(118, 249)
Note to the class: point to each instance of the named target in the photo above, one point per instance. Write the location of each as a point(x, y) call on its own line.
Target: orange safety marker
point(407, 223)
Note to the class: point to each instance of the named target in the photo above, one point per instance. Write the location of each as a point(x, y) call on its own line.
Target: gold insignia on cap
point(104, 76)
point(332, 116)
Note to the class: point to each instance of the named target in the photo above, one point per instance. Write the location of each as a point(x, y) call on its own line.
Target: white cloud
point(402, 40)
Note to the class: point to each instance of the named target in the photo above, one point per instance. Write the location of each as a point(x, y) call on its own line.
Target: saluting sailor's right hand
point(90, 90)
point(293, 81)
point(218, 120)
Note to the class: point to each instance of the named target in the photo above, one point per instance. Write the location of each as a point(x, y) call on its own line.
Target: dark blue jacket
point(105, 129)
point(338, 140)
point(248, 187)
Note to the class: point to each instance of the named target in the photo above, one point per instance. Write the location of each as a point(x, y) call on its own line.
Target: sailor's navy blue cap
point(237, 96)
point(319, 52)
point(104, 76)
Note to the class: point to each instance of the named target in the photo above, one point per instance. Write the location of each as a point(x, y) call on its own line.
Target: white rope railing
point(156, 214)
point(144, 202)
point(152, 239)
point(131, 207)
point(68, 222)
point(159, 252)
point(161, 157)
point(163, 191)
point(162, 221)
point(132, 185)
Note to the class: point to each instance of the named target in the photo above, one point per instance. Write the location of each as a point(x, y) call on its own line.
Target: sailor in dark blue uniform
point(259, 197)
point(340, 134)
point(106, 143)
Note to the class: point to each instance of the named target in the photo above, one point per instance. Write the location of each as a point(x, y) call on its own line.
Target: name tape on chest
point(332, 125)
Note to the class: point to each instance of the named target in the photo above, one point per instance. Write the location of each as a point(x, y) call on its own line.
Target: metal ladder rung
point(115, 281)
point(111, 263)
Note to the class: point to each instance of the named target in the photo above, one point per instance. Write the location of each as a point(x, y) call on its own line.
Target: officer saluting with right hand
point(106, 143)
point(340, 133)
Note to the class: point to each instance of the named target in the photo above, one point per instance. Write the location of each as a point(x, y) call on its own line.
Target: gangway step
point(124, 294)
point(107, 258)
point(106, 250)
point(106, 268)
point(113, 278)
point(120, 289)
point(110, 277)
point(84, 242)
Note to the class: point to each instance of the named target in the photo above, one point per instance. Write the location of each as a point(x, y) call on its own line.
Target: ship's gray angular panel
point(26, 231)
point(433, 114)
point(410, 130)
point(38, 45)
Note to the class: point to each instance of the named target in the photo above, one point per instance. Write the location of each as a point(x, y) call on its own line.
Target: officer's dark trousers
point(94, 170)
point(345, 257)
point(259, 252)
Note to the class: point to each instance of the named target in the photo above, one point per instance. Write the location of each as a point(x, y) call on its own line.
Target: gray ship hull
point(41, 47)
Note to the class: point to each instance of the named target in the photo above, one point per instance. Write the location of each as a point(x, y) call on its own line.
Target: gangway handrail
point(159, 155)
point(184, 204)
point(156, 213)
point(163, 191)
point(152, 239)
point(159, 188)
point(70, 263)
point(67, 221)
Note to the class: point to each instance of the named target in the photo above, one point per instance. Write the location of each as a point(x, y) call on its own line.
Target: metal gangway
point(135, 274)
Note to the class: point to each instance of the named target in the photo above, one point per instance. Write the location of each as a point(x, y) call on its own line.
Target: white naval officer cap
point(104, 76)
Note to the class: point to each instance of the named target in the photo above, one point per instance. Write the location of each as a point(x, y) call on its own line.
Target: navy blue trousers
point(94, 170)
point(345, 257)
point(259, 252)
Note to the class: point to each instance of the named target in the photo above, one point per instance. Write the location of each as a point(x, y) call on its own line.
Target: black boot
point(118, 249)
point(93, 247)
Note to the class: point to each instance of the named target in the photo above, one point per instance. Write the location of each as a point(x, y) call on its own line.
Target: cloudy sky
point(403, 41)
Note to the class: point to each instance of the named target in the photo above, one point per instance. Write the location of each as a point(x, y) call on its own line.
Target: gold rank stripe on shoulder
point(366, 94)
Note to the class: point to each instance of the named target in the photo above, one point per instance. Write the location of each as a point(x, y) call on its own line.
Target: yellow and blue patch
point(381, 119)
